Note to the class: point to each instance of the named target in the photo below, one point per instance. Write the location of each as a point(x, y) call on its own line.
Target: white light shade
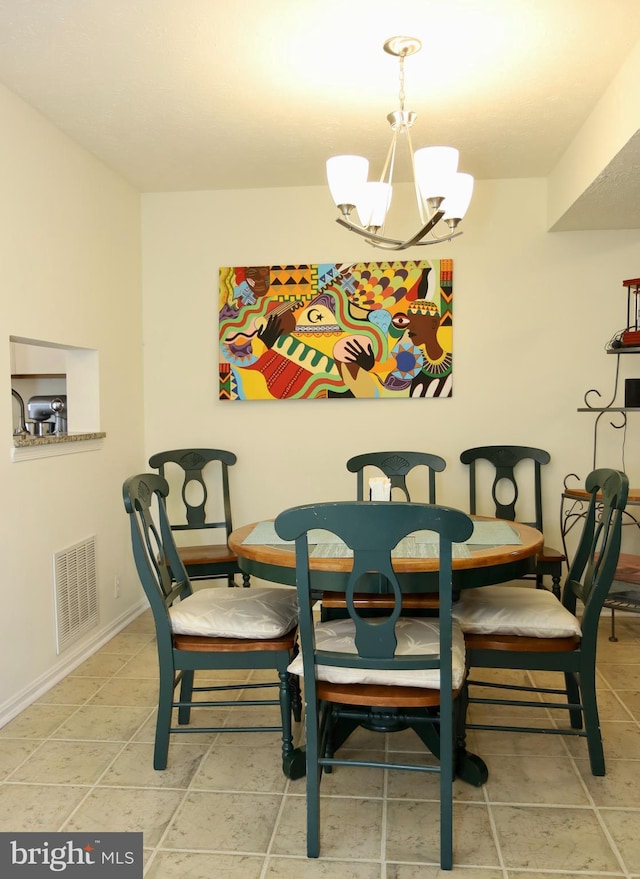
point(459, 196)
point(347, 176)
point(373, 203)
point(434, 167)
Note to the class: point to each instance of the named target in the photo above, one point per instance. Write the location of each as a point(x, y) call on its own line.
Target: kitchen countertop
point(23, 441)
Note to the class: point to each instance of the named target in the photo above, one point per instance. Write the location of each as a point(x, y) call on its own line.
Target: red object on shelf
point(633, 313)
point(631, 337)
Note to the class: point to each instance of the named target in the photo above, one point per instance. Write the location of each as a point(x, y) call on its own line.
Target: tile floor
point(81, 759)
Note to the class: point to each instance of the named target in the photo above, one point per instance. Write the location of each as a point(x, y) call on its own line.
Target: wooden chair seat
point(379, 695)
point(211, 554)
point(361, 600)
point(547, 555)
point(522, 644)
point(204, 644)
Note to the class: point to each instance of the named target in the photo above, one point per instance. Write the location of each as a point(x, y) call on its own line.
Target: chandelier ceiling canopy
point(442, 192)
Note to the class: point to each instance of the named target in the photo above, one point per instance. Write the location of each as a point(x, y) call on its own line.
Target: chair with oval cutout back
point(397, 466)
point(507, 467)
point(209, 630)
point(359, 670)
point(201, 486)
point(530, 630)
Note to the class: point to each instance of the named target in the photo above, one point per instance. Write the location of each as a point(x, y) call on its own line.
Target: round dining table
point(480, 565)
point(484, 565)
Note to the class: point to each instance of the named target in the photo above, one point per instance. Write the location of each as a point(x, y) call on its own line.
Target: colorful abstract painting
point(343, 331)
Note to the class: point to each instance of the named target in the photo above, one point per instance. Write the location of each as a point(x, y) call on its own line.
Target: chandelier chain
point(401, 94)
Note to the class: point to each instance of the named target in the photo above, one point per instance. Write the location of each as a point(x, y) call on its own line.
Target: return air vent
point(76, 591)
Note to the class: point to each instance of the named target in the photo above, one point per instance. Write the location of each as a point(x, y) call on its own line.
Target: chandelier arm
point(389, 162)
point(421, 211)
point(439, 240)
point(365, 233)
point(428, 226)
point(396, 243)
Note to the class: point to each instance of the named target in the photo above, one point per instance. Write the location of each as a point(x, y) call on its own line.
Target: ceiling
point(224, 94)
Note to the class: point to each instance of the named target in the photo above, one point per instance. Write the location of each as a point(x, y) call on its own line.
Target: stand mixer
point(42, 408)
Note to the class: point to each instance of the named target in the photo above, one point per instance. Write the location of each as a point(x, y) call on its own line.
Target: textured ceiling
point(219, 94)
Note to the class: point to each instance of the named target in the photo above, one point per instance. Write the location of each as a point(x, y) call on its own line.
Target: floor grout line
point(291, 796)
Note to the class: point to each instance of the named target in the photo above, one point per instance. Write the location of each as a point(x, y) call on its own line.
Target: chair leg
point(246, 580)
point(556, 577)
point(163, 719)
point(313, 783)
point(448, 741)
point(293, 759)
point(186, 695)
point(613, 636)
point(573, 698)
point(330, 724)
point(296, 697)
point(592, 721)
point(284, 694)
point(461, 706)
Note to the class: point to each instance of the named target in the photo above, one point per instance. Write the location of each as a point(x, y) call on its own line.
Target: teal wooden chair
point(397, 466)
point(388, 672)
point(507, 627)
point(511, 467)
point(203, 477)
point(212, 629)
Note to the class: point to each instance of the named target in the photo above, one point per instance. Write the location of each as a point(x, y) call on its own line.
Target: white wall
point(532, 312)
point(69, 273)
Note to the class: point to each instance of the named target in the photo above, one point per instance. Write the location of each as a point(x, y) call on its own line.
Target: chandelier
point(442, 192)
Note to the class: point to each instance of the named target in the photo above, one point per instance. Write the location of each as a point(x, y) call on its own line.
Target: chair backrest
point(194, 491)
point(593, 568)
point(371, 530)
point(505, 460)
point(158, 563)
point(396, 465)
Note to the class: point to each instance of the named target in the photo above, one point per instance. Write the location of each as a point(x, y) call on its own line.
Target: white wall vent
point(76, 591)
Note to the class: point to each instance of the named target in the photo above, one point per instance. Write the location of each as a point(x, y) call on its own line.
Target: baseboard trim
point(73, 657)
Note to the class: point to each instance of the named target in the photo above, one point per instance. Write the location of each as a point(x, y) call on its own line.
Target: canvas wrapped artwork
point(344, 331)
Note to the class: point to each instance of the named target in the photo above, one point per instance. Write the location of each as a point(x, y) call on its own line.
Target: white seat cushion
point(415, 636)
point(258, 612)
point(514, 610)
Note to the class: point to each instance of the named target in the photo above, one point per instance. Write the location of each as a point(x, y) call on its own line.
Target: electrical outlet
point(116, 586)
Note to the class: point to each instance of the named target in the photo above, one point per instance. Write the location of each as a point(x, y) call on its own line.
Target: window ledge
point(26, 448)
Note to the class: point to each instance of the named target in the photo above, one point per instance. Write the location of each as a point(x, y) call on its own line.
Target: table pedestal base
point(467, 766)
